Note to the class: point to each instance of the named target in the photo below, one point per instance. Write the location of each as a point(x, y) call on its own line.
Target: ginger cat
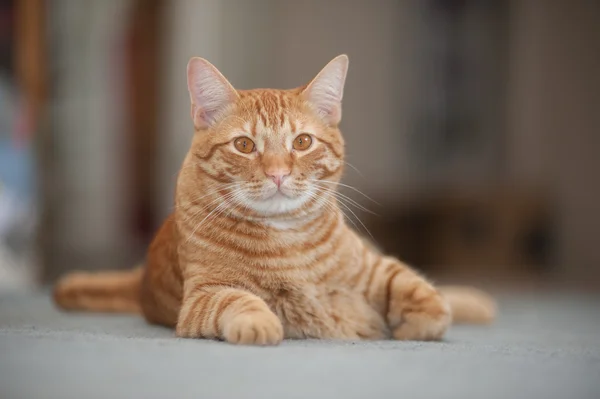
point(257, 249)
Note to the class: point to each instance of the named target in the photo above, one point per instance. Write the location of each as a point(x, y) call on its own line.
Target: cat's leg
point(235, 315)
point(412, 306)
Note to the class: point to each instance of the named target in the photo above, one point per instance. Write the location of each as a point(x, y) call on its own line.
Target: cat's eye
point(302, 142)
point(244, 144)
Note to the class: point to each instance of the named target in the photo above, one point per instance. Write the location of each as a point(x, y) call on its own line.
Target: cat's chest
point(310, 311)
point(300, 307)
point(283, 226)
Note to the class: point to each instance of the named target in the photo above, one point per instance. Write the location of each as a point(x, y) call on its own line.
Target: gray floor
point(545, 346)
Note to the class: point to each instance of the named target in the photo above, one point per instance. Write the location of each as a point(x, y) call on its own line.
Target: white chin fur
point(277, 204)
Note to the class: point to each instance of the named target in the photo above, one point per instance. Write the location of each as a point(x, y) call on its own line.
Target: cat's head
point(273, 151)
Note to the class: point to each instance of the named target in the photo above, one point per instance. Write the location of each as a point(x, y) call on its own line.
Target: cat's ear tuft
point(210, 93)
point(326, 90)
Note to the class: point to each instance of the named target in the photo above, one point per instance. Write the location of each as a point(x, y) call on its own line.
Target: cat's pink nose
point(278, 175)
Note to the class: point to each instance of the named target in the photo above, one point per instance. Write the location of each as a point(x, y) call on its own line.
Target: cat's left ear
point(211, 94)
point(326, 90)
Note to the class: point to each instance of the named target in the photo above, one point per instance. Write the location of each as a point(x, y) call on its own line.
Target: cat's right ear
point(210, 93)
point(325, 92)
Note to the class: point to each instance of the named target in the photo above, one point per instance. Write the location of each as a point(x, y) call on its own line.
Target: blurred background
point(474, 125)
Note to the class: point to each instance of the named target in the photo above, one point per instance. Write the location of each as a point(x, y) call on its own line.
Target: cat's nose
point(277, 175)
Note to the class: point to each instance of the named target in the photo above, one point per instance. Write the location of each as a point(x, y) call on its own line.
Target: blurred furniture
point(495, 232)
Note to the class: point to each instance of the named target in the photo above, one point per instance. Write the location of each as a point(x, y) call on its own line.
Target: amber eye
point(302, 142)
point(244, 144)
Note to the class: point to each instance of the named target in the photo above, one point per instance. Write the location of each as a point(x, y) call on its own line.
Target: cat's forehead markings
point(274, 131)
point(270, 113)
point(259, 127)
point(293, 125)
point(286, 127)
point(249, 128)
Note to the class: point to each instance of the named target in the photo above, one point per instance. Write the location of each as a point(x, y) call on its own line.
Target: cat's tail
point(469, 305)
point(108, 291)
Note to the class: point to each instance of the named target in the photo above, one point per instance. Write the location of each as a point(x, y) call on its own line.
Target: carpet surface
point(543, 346)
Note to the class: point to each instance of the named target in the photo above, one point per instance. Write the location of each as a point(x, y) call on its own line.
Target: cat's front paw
point(256, 328)
point(424, 321)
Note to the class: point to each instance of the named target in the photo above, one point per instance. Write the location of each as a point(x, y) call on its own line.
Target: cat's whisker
point(348, 218)
point(354, 214)
point(354, 203)
point(235, 201)
point(223, 205)
point(322, 200)
point(213, 192)
point(230, 206)
point(220, 198)
point(357, 218)
point(332, 206)
point(347, 186)
point(219, 211)
point(205, 207)
point(220, 188)
point(347, 199)
point(355, 169)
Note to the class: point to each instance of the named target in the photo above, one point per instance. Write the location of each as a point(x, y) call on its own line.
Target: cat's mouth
point(279, 195)
point(277, 201)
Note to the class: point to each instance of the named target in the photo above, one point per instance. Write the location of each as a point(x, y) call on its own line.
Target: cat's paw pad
point(426, 323)
point(257, 328)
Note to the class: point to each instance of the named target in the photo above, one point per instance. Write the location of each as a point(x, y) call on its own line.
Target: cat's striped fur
point(257, 248)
